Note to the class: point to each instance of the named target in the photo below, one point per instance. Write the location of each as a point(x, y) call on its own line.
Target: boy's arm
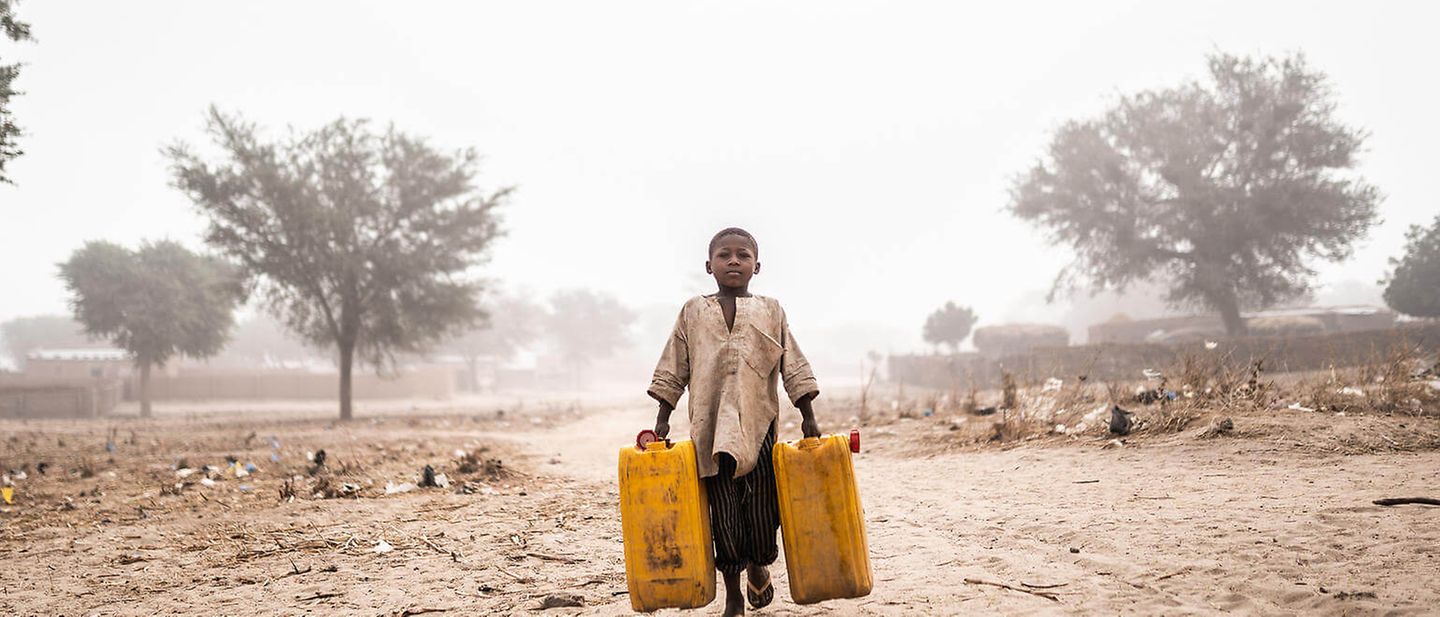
point(799, 380)
point(662, 420)
point(672, 375)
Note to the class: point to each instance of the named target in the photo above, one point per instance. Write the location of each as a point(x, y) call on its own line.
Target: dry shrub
point(1397, 382)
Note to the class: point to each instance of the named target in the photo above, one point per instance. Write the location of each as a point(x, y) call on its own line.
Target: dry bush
point(1398, 382)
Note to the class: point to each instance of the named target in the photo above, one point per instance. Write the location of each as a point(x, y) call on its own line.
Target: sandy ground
point(1274, 518)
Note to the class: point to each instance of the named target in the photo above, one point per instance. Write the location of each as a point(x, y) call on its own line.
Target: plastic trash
point(1052, 384)
point(274, 457)
point(382, 547)
point(1151, 373)
point(392, 489)
point(250, 467)
point(8, 494)
point(184, 472)
point(1351, 391)
point(1299, 407)
point(207, 482)
point(1211, 344)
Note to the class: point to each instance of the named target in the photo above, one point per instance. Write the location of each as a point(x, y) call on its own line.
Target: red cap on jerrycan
point(855, 440)
point(646, 437)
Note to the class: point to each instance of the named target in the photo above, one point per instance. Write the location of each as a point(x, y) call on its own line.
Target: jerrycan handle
point(808, 443)
point(648, 441)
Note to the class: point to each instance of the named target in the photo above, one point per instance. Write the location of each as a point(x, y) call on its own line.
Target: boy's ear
point(757, 267)
point(707, 268)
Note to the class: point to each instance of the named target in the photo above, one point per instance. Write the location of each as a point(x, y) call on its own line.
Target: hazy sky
point(869, 146)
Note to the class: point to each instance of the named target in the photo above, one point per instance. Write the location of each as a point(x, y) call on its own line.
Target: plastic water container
point(826, 553)
point(665, 518)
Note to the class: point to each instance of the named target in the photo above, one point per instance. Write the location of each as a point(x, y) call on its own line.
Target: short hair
point(733, 231)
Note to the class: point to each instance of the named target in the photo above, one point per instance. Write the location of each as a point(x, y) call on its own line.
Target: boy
point(730, 349)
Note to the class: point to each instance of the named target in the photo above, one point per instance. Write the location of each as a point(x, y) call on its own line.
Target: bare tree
point(157, 302)
point(949, 324)
point(1412, 286)
point(17, 31)
point(357, 239)
point(586, 326)
point(1222, 189)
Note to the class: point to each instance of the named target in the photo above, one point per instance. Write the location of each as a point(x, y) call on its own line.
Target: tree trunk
point(145, 390)
point(347, 359)
point(1230, 314)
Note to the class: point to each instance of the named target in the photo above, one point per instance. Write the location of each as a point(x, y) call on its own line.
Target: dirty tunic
point(732, 375)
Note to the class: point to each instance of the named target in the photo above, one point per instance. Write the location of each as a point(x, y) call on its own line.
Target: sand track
point(1160, 526)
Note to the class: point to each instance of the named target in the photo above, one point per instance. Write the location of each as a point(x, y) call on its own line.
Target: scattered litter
point(392, 489)
point(40, 467)
point(1052, 384)
point(274, 457)
point(184, 472)
point(1060, 428)
point(1220, 427)
point(1113, 443)
point(459, 453)
point(1151, 373)
point(427, 476)
point(1340, 413)
point(1351, 391)
point(929, 411)
point(274, 443)
point(1121, 421)
point(245, 488)
point(21, 475)
point(110, 447)
point(1080, 428)
point(1299, 407)
point(309, 456)
point(382, 547)
point(1211, 344)
point(985, 411)
point(561, 600)
point(8, 494)
point(207, 482)
point(250, 467)
point(442, 481)
point(319, 458)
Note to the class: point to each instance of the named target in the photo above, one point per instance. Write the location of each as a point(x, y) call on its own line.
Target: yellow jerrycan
point(665, 519)
point(826, 553)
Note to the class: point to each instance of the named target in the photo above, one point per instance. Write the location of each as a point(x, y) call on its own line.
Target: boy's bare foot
point(760, 591)
point(734, 600)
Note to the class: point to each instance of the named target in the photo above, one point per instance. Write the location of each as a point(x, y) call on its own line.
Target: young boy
point(730, 349)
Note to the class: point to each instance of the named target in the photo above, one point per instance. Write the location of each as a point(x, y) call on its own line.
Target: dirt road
point(1169, 526)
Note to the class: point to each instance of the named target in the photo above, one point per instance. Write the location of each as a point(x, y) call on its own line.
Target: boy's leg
point(726, 526)
point(762, 519)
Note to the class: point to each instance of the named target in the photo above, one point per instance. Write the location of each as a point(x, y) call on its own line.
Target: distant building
point(65, 364)
point(1008, 339)
point(1278, 322)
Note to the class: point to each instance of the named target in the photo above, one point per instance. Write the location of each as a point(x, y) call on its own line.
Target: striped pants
point(744, 512)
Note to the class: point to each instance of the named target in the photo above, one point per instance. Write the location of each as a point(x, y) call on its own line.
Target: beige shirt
point(732, 374)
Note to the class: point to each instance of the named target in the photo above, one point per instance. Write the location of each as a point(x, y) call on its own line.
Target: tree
point(23, 335)
point(156, 302)
point(1221, 189)
point(511, 322)
point(949, 324)
point(1412, 286)
point(16, 31)
point(586, 326)
point(358, 240)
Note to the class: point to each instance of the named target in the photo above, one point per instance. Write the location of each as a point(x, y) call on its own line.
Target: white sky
point(869, 146)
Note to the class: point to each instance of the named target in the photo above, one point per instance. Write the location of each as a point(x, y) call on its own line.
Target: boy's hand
point(662, 420)
point(809, 427)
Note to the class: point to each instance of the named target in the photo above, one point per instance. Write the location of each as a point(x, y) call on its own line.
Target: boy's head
point(734, 258)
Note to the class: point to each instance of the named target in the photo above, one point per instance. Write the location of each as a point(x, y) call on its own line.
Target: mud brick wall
point(1114, 361)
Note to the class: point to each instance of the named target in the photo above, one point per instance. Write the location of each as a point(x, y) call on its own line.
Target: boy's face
point(733, 262)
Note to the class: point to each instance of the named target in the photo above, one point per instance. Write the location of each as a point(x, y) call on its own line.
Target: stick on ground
point(1400, 501)
point(1044, 594)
